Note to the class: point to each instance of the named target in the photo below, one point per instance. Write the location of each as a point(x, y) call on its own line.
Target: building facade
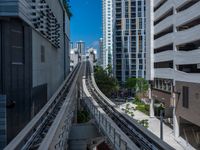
point(92, 56)
point(74, 58)
point(34, 54)
point(100, 54)
point(107, 33)
point(173, 29)
point(129, 39)
point(81, 47)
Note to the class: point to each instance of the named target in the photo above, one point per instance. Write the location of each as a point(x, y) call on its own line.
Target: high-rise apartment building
point(107, 33)
point(173, 30)
point(81, 47)
point(34, 52)
point(100, 57)
point(129, 39)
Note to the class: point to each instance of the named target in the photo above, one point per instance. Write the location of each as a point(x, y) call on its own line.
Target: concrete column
point(151, 104)
point(175, 121)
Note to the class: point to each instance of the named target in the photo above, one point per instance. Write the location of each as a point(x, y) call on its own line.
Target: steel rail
point(138, 134)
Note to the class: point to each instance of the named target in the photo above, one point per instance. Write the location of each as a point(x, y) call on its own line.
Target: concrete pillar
point(175, 121)
point(151, 104)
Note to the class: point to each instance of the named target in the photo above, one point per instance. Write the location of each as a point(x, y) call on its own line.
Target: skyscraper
point(81, 47)
point(107, 33)
point(129, 39)
point(100, 59)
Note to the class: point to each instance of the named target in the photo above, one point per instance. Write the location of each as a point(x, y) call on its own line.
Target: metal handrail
point(144, 133)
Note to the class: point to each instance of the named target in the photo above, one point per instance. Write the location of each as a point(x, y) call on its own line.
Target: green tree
point(142, 85)
point(139, 85)
point(106, 83)
point(131, 83)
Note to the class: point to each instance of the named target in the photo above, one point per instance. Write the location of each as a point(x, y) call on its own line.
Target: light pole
point(152, 115)
point(161, 124)
point(175, 121)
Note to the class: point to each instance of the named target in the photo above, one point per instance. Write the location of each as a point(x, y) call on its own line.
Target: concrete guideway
point(118, 139)
point(135, 132)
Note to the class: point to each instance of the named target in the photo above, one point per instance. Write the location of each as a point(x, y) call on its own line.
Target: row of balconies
point(169, 73)
point(179, 57)
point(179, 18)
point(178, 38)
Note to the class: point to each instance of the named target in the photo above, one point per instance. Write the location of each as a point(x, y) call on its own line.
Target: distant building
point(74, 58)
point(100, 57)
point(92, 55)
point(107, 33)
point(71, 45)
point(34, 54)
point(129, 52)
point(81, 47)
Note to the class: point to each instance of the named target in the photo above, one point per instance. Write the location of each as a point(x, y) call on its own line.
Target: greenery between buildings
point(141, 106)
point(138, 85)
point(127, 110)
point(144, 123)
point(105, 81)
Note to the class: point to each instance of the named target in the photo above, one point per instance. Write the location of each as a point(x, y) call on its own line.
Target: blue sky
point(86, 23)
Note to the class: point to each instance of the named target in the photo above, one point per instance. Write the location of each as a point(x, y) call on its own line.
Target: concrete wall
point(50, 72)
point(192, 113)
point(25, 78)
point(149, 40)
point(163, 97)
point(16, 74)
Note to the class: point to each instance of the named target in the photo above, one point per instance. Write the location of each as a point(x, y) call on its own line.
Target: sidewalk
point(154, 127)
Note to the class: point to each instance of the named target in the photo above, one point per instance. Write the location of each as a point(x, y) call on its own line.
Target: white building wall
point(176, 38)
point(107, 33)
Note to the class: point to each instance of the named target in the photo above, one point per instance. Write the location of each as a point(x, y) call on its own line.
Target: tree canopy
point(106, 83)
point(139, 85)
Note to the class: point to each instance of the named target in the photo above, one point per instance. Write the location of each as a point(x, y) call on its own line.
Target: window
point(42, 54)
point(3, 121)
point(185, 98)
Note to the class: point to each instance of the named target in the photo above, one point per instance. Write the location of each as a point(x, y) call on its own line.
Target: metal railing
point(143, 138)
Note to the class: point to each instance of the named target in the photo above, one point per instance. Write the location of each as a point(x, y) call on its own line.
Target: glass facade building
point(129, 39)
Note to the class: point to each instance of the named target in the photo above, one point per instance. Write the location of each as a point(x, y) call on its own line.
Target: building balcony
point(164, 40)
point(163, 25)
point(156, 2)
point(187, 15)
point(187, 36)
point(179, 57)
point(164, 56)
point(179, 3)
point(169, 73)
point(187, 57)
point(163, 9)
